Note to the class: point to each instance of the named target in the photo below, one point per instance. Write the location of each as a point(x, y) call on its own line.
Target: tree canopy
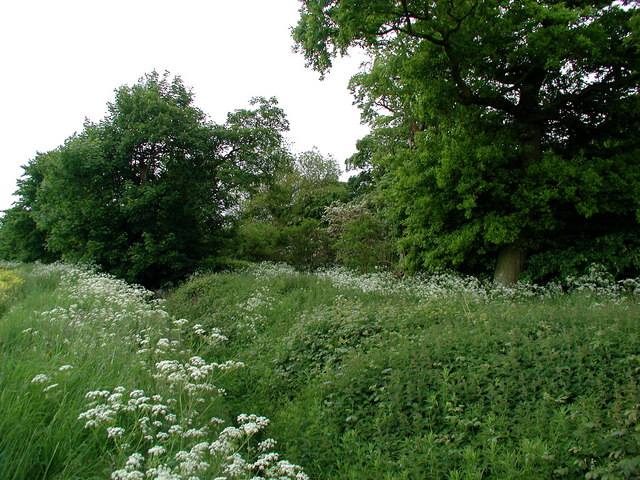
point(145, 192)
point(518, 120)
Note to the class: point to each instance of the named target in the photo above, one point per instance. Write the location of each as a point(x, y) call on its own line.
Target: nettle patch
point(373, 376)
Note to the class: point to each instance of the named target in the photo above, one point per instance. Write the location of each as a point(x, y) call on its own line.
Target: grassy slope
point(376, 378)
point(37, 430)
point(94, 377)
point(362, 377)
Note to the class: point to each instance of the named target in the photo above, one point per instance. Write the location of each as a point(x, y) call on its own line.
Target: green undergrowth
point(373, 377)
point(362, 377)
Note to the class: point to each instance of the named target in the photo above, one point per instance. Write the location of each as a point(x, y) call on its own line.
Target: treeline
point(155, 191)
point(504, 141)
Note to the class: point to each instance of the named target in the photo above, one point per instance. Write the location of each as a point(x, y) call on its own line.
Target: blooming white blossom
point(114, 432)
point(157, 450)
point(267, 445)
point(40, 378)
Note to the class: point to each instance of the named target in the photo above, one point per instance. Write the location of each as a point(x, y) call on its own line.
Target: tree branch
point(595, 89)
point(458, 21)
point(467, 96)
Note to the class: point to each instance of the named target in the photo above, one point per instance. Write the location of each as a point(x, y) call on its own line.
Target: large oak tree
point(520, 120)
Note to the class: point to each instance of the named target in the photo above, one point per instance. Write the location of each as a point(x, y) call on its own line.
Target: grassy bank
point(97, 380)
point(362, 377)
point(371, 377)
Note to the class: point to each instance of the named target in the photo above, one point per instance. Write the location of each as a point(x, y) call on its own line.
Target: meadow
point(345, 376)
point(99, 381)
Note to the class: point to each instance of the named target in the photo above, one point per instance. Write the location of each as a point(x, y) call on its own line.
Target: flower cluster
point(191, 376)
point(58, 376)
point(221, 457)
point(271, 270)
point(251, 311)
point(146, 417)
point(169, 429)
point(596, 282)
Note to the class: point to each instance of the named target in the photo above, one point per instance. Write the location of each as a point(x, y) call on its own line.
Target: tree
point(20, 238)
point(283, 221)
point(508, 109)
point(362, 233)
point(146, 193)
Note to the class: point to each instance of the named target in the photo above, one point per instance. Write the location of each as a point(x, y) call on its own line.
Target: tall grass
point(97, 380)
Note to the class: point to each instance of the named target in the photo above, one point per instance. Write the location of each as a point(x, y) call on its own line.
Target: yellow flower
point(8, 281)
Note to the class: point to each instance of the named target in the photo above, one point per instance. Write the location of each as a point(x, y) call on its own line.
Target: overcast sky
point(62, 60)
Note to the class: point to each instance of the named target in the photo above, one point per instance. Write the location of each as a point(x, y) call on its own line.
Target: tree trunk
point(512, 257)
point(144, 171)
point(511, 260)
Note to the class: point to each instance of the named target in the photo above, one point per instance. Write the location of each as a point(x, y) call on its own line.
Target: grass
point(362, 377)
point(98, 381)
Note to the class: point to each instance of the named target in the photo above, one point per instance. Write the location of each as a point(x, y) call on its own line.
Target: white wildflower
point(197, 361)
point(171, 417)
point(114, 432)
point(157, 450)
point(114, 398)
point(237, 467)
point(177, 429)
point(96, 394)
point(40, 378)
point(267, 445)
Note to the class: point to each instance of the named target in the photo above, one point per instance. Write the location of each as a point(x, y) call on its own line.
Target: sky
point(62, 60)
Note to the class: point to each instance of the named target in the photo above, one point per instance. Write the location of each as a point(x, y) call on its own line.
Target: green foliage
point(282, 223)
point(315, 168)
point(459, 209)
point(362, 233)
point(309, 219)
point(20, 237)
point(498, 126)
point(375, 377)
point(146, 192)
